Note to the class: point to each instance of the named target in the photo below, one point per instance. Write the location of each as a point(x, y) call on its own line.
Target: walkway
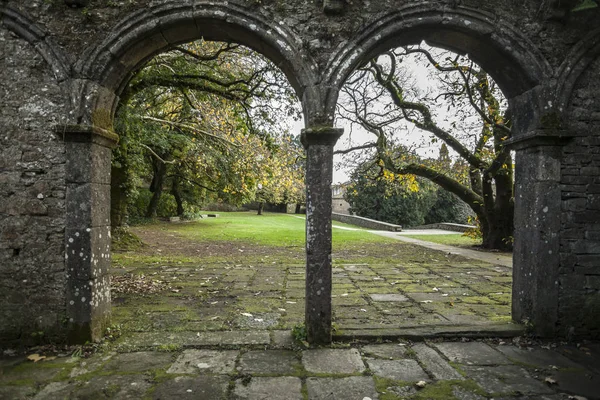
point(492, 258)
point(269, 365)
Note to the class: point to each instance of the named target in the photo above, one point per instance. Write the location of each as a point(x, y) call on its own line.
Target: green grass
point(451, 239)
point(277, 230)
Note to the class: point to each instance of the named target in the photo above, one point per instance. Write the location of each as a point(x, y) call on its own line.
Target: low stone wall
point(365, 222)
point(447, 226)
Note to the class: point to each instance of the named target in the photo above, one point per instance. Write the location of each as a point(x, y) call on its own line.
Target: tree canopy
point(461, 107)
point(208, 121)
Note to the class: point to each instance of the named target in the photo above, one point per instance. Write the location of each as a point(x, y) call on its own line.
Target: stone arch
point(155, 29)
point(583, 54)
point(510, 58)
point(525, 77)
point(99, 78)
point(23, 27)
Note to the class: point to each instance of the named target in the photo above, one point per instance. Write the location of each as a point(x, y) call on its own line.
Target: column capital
point(87, 134)
point(321, 135)
point(538, 137)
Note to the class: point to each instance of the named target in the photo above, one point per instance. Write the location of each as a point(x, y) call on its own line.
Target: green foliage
point(203, 123)
point(585, 5)
point(448, 208)
point(139, 204)
point(299, 333)
point(371, 195)
point(474, 233)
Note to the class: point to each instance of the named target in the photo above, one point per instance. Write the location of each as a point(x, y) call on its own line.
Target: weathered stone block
point(87, 252)
point(88, 163)
point(88, 205)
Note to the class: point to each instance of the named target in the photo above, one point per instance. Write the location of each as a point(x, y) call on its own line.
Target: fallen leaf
point(550, 381)
point(35, 357)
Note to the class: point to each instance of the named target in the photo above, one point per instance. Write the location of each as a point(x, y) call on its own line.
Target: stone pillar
point(319, 144)
point(87, 229)
point(536, 259)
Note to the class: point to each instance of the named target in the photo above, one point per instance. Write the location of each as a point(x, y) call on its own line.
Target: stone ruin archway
point(529, 83)
point(556, 254)
point(103, 75)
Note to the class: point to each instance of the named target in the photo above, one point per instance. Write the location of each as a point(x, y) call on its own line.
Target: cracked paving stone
point(435, 364)
point(386, 351)
point(333, 361)
point(403, 370)
point(199, 387)
point(278, 388)
point(353, 387)
point(506, 379)
point(204, 361)
point(138, 362)
point(98, 387)
point(279, 362)
point(472, 353)
point(541, 358)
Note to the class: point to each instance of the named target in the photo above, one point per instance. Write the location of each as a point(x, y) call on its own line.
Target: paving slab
point(281, 362)
point(262, 388)
point(204, 361)
point(197, 387)
point(402, 370)
point(138, 361)
point(350, 388)
point(16, 392)
point(28, 372)
point(541, 358)
point(582, 383)
point(506, 379)
point(388, 351)
point(471, 353)
point(144, 340)
point(464, 394)
point(391, 297)
point(98, 387)
point(332, 361)
point(282, 339)
point(430, 297)
point(435, 364)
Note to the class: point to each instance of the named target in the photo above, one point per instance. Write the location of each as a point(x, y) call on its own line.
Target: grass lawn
point(457, 240)
point(244, 237)
point(270, 229)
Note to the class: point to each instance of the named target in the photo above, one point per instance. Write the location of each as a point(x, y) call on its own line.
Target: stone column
point(536, 259)
point(87, 229)
point(319, 144)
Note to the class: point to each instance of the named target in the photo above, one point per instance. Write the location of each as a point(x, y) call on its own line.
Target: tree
point(383, 100)
point(203, 120)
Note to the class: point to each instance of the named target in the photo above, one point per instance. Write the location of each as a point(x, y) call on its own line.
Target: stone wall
point(32, 194)
point(579, 304)
point(69, 65)
point(365, 222)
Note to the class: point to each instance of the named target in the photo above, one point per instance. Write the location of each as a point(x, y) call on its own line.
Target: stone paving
point(277, 367)
point(452, 296)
